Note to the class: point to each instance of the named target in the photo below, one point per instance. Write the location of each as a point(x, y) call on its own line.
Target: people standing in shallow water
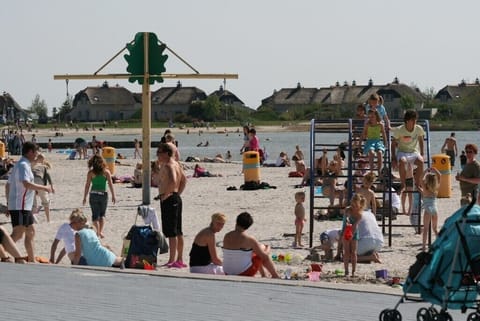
point(98, 178)
point(450, 148)
point(137, 152)
point(246, 140)
point(203, 255)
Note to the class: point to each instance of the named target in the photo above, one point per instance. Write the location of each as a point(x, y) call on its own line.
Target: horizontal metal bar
point(126, 76)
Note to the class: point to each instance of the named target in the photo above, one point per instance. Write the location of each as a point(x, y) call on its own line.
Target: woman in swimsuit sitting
point(203, 255)
point(243, 254)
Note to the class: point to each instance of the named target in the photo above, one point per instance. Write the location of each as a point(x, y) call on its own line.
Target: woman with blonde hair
point(98, 178)
point(203, 255)
point(90, 251)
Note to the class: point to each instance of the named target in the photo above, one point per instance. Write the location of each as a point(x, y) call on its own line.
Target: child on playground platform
point(300, 218)
point(374, 134)
point(429, 190)
point(329, 181)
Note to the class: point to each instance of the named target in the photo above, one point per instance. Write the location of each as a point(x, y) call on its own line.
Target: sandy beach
point(272, 210)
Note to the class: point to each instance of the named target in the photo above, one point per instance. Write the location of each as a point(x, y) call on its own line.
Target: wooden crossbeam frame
point(146, 101)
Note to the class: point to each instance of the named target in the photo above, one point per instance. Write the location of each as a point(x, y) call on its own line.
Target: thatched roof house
point(344, 96)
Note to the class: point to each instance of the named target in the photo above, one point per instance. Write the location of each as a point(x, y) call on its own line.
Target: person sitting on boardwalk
point(243, 254)
point(203, 255)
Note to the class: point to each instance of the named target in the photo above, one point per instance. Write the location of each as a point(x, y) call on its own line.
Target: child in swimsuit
point(431, 182)
point(374, 134)
point(299, 218)
point(329, 181)
point(353, 215)
point(366, 191)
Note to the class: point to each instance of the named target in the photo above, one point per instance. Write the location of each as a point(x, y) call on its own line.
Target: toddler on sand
point(299, 218)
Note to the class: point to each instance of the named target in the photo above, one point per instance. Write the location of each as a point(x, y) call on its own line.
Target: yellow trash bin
point(251, 166)
point(108, 153)
point(442, 163)
point(2, 150)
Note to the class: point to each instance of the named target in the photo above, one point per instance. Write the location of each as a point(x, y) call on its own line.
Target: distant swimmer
point(206, 144)
point(200, 144)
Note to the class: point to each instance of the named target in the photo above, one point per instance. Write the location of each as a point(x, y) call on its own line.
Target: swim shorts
point(171, 209)
point(253, 269)
point(22, 218)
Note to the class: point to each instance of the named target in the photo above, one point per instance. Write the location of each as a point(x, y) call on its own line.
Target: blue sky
point(270, 44)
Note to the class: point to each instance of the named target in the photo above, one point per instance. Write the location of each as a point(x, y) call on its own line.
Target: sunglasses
point(469, 152)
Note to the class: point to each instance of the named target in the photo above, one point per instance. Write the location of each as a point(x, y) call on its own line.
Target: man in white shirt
point(20, 191)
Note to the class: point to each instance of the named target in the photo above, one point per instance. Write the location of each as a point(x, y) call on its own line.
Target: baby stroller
point(448, 274)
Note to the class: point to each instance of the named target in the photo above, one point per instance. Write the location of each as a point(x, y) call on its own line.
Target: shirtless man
point(450, 148)
point(170, 139)
point(243, 254)
point(172, 182)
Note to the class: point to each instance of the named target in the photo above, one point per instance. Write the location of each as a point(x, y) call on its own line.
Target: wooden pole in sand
point(146, 125)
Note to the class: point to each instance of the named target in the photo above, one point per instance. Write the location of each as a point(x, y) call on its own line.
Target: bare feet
point(377, 258)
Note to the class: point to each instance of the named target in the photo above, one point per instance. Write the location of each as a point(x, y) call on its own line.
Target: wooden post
point(146, 124)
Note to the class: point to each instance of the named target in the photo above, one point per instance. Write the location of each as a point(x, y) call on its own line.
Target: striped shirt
point(20, 198)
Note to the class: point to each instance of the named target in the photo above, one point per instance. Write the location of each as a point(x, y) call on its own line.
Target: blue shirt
point(93, 251)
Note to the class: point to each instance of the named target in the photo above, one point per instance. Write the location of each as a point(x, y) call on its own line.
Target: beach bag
point(143, 247)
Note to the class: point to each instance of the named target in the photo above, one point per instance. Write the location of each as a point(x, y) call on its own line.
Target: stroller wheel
point(382, 316)
point(442, 316)
point(474, 316)
point(424, 314)
point(390, 315)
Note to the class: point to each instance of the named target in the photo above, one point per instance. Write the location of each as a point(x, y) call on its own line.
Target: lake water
point(273, 142)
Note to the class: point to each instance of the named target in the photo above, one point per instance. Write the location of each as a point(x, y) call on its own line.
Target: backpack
point(143, 248)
